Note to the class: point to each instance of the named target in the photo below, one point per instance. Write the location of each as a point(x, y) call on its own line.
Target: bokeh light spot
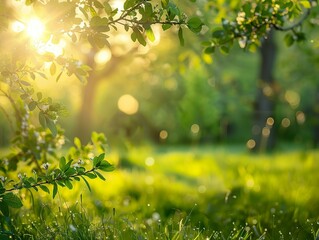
point(301, 117)
point(270, 121)
point(292, 98)
point(251, 144)
point(149, 161)
point(266, 132)
point(128, 104)
point(103, 56)
point(285, 122)
point(202, 189)
point(163, 134)
point(195, 128)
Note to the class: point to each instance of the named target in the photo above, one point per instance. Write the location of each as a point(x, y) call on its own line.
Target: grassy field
point(185, 193)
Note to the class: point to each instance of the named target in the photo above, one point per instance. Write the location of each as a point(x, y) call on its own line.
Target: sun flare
point(35, 28)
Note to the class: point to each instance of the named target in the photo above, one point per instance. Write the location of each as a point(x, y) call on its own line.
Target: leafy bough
point(63, 176)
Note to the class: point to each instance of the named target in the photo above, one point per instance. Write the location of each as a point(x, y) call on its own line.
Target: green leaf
point(84, 12)
point(107, 8)
point(150, 34)
point(42, 75)
point(86, 182)
point(67, 166)
point(209, 50)
point(166, 26)
point(224, 49)
point(133, 36)
point(90, 175)
point(106, 167)
point(55, 190)
point(173, 10)
point(92, 11)
point(99, 24)
point(100, 175)
point(181, 37)
point(77, 143)
point(195, 24)
point(32, 75)
point(68, 184)
point(97, 4)
point(62, 163)
point(44, 188)
point(218, 33)
point(51, 126)
point(289, 39)
point(24, 96)
point(70, 171)
point(32, 105)
point(42, 119)
point(164, 3)
point(4, 208)
point(76, 178)
point(81, 72)
point(25, 83)
point(12, 200)
point(52, 68)
point(129, 3)
point(139, 37)
point(98, 160)
point(59, 76)
point(300, 36)
point(39, 96)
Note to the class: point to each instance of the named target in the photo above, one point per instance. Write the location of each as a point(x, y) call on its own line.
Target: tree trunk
point(85, 115)
point(315, 119)
point(263, 128)
point(85, 124)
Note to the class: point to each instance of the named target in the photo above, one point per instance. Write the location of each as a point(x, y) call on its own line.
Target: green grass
point(185, 193)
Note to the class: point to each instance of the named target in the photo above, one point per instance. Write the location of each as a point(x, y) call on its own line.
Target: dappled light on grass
point(216, 191)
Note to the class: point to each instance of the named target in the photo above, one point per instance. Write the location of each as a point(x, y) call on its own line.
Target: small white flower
point(72, 228)
point(45, 166)
point(80, 162)
point(20, 176)
point(241, 18)
point(76, 165)
point(3, 179)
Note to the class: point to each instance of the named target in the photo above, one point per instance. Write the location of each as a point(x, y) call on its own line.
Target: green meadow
point(193, 192)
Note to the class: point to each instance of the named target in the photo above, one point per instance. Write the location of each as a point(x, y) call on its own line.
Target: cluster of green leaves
point(95, 21)
point(254, 21)
point(63, 176)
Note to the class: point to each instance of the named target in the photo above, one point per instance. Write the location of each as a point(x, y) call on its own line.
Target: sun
point(35, 28)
